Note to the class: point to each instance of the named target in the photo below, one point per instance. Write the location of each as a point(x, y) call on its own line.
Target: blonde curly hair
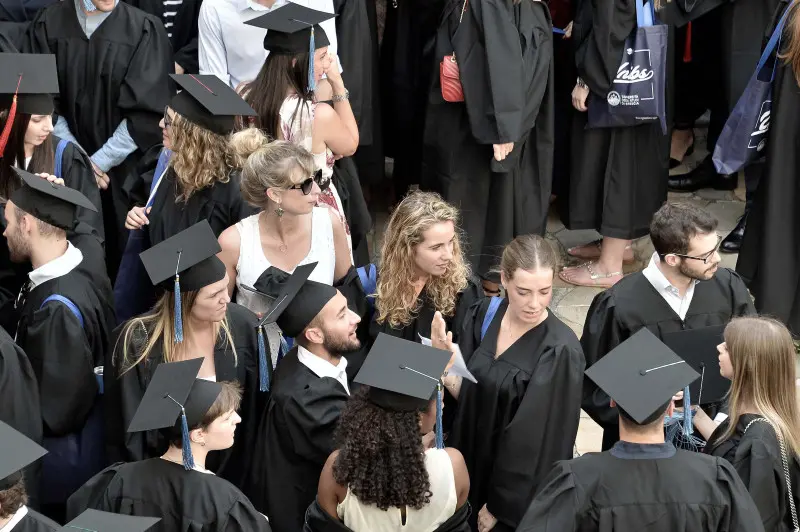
point(200, 157)
point(397, 303)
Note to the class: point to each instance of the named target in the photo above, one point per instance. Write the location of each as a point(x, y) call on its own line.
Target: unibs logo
point(629, 73)
point(762, 126)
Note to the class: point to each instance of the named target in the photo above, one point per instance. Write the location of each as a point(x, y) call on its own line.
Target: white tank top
point(369, 518)
point(252, 263)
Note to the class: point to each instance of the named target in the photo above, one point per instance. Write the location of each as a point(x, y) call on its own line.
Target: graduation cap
point(176, 392)
point(18, 452)
point(641, 374)
point(49, 202)
point(699, 348)
point(403, 376)
point(27, 85)
point(293, 29)
point(97, 521)
point(209, 102)
point(190, 257)
point(680, 12)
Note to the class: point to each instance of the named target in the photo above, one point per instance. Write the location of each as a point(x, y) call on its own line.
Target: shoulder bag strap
point(494, 304)
point(62, 144)
point(66, 301)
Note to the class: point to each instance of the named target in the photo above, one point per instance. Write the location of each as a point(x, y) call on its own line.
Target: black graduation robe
point(651, 487)
point(186, 501)
point(318, 520)
point(121, 72)
point(522, 416)
point(504, 53)
point(20, 407)
point(295, 440)
point(618, 313)
point(769, 260)
point(756, 456)
point(184, 30)
point(124, 392)
point(36, 522)
point(618, 177)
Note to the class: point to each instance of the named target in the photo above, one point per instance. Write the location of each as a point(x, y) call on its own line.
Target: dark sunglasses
point(306, 186)
point(167, 119)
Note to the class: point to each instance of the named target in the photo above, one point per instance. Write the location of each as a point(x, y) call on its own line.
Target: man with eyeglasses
point(681, 288)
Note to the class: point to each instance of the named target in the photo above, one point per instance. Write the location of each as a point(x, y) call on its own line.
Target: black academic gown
point(770, 256)
point(618, 177)
point(184, 30)
point(120, 73)
point(504, 52)
point(318, 520)
point(295, 440)
point(522, 415)
point(186, 501)
point(124, 392)
point(756, 456)
point(36, 522)
point(618, 313)
point(20, 407)
point(651, 487)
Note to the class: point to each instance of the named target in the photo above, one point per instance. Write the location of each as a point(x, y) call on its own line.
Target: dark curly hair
point(381, 458)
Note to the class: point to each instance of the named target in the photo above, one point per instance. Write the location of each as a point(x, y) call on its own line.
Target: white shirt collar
point(18, 516)
point(670, 293)
point(57, 267)
point(244, 5)
point(323, 368)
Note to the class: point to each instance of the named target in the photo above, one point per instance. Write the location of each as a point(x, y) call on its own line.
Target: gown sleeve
point(756, 462)
point(243, 517)
point(541, 433)
point(60, 354)
point(600, 40)
point(311, 418)
point(743, 514)
point(471, 295)
point(94, 494)
point(77, 173)
point(601, 334)
point(742, 302)
point(557, 506)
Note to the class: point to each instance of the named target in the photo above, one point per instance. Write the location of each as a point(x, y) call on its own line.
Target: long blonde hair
point(396, 301)
point(792, 54)
point(201, 157)
point(763, 356)
point(146, 330)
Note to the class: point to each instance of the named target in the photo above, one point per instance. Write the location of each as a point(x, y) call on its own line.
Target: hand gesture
point(442, 339)
point(100, 177)
point(501, 151)
point(579, 96)
point(568, 31)
point(486, 521)
point(137, 217)
point(333, 74)
point(52, 179)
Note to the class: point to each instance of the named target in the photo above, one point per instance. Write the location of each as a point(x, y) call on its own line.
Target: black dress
point(295, 438)
point(619, 175)
point(770, 256)
point(651, 487)
point(184, 30)
point(521, 417)
point(186, 501)
point(756, 456)
point(124, 393)
point(504, 52)
point(618, 313)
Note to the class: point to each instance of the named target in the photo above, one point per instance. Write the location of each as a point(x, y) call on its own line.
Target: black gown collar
point(642, 451)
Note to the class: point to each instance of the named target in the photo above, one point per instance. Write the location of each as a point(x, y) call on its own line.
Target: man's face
point(19, 249)
point(106, 6)
point(701, 247)
point(338, 325)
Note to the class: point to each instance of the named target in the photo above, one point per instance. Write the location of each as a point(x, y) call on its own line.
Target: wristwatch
point(341, 97)
point(582, 84)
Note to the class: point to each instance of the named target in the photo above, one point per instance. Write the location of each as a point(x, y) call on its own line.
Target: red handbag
point(449, 75)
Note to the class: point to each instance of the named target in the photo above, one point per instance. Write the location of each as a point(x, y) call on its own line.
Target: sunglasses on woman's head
point(167, 118)
point(306, 186)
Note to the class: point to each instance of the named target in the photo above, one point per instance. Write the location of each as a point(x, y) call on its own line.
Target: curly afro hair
point(381, 458)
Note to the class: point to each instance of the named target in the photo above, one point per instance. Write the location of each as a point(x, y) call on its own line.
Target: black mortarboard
point(681, 12)
point(49, 202)
point(187, 261)
point(176, 392)
point(404, 376)
point(97, 521)
point(18, 452)
point(699, 348)
point(209, 102)
point(33, 77)
point(641, 374)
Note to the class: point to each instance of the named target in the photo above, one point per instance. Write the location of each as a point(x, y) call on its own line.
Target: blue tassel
point(439, 433)
point(312, 83)
point(680, 429)
point(188, 459)
point(283, 349)
point(263, 371)
point(688, 428)
point(178, 315)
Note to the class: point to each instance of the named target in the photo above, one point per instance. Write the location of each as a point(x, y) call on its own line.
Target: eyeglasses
point(306, 186)
point(705, 257)
point(167, 118)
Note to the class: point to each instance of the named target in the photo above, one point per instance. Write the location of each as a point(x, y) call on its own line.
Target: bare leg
point(608, 267)
point(682, 140)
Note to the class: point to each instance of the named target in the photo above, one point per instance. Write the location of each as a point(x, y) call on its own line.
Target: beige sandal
point(593, 277)
point(628, 258)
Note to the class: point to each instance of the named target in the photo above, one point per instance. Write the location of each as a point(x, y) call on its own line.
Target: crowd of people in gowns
point(196, 333)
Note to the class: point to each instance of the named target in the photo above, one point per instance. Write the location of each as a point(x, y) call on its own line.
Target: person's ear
point(314, 335)
point(672, 260)
point(198, 436)
point(274, 195)
point(613, 404)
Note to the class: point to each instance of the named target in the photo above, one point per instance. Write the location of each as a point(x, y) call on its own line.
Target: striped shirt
point(171, 8)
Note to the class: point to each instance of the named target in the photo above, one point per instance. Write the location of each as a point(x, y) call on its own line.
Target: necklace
point(282, 247)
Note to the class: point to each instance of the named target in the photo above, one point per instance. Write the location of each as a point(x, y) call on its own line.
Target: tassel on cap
point(12, 113)
point(439, 431)
point(178, 304)
point(188, 459)
point(312, 82)
point(263, 369)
